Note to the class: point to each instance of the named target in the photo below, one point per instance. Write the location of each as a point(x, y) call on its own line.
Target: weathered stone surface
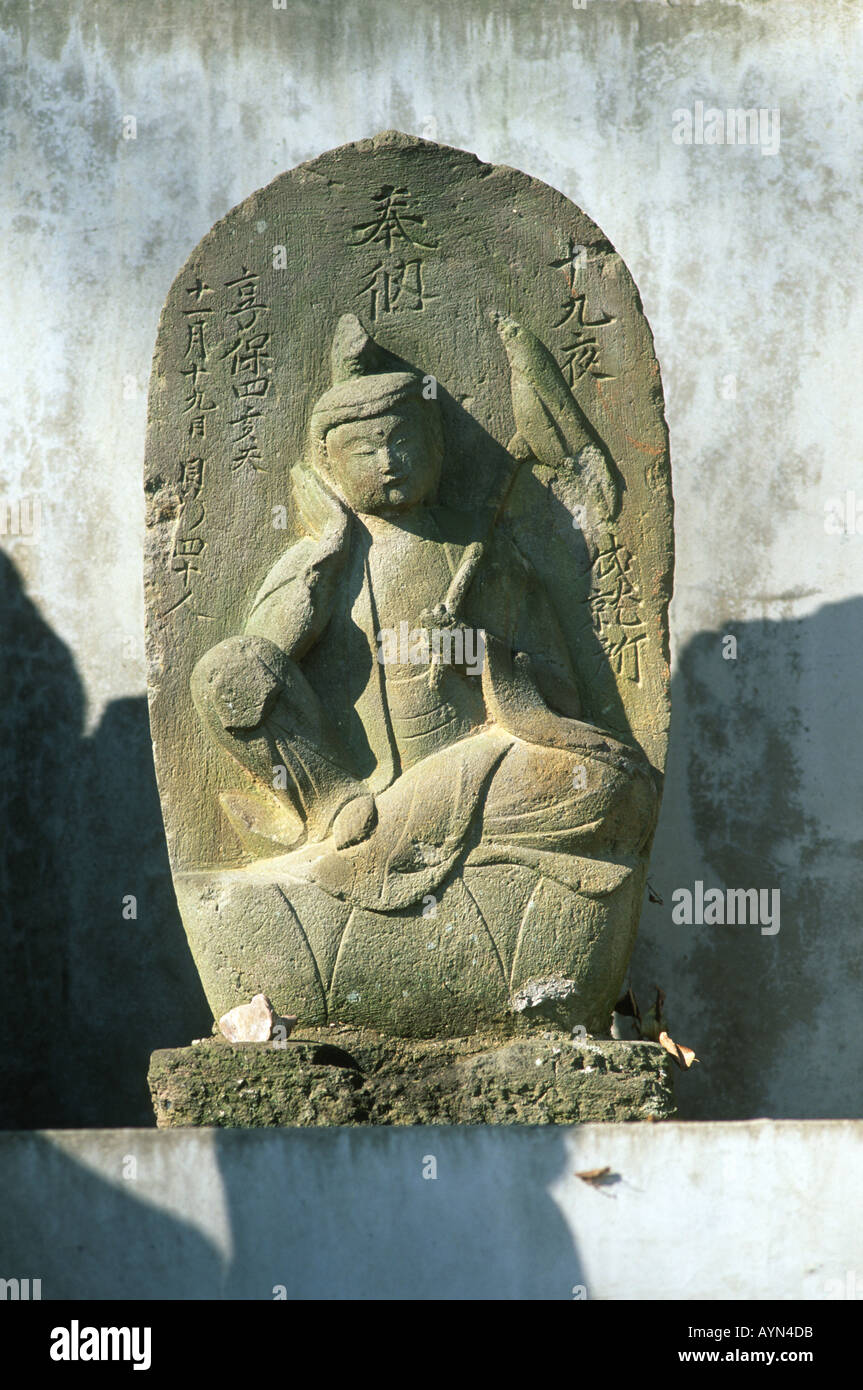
point(348, 1076)
point(409, 559)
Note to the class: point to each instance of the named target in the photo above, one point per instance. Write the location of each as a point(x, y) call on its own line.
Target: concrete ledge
point(748, 1210)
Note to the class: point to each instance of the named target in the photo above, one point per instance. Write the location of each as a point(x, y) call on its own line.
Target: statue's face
point(389, 463)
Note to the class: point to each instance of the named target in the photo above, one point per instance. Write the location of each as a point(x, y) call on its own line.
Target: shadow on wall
point(85, 994)
point(88, 1233)
point(343, 1214)
point(485, 1227)
point(765, 790)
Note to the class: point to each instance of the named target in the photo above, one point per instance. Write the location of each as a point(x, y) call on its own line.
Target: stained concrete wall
point(749, 269)
point(756, 1210)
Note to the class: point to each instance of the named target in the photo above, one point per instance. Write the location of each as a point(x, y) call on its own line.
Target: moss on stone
point(341, 1075)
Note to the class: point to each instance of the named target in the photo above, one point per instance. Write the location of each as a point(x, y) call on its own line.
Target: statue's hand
point(321, 512)
point(235, 681)
point(440, 616)
point(446, 614)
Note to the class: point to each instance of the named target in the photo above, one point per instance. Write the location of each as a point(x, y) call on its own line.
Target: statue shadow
point(95, 968)
point(763, 790)
point(332, 1215)
point(487, 1225)
point(78, 1225)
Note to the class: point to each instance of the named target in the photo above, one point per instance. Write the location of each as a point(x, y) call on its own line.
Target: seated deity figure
point(402, 700)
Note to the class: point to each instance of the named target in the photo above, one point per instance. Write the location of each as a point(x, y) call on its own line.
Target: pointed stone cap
point(354, 351)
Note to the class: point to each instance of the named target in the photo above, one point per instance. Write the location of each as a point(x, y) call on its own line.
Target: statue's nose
point(391, 465)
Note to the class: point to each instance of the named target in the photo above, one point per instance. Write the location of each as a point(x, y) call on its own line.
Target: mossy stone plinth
point(338, 1076)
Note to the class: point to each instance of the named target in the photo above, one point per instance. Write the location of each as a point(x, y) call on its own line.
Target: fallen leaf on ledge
point(683, 1056)
point(596, 1176)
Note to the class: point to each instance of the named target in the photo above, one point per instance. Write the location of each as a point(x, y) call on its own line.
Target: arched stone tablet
point(408, 565)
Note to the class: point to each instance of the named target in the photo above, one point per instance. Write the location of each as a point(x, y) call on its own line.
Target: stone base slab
point(346, 1076)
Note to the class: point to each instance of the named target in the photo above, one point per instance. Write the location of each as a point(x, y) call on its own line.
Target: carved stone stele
point(408, 566)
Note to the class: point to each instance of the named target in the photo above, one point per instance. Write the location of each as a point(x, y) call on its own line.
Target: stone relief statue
point(409, 743)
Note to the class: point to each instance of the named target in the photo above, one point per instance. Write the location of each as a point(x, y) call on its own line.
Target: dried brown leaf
point(594, 1175)
point(683, 1056)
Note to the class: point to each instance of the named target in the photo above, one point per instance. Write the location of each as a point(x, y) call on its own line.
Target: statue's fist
point(235, 681)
